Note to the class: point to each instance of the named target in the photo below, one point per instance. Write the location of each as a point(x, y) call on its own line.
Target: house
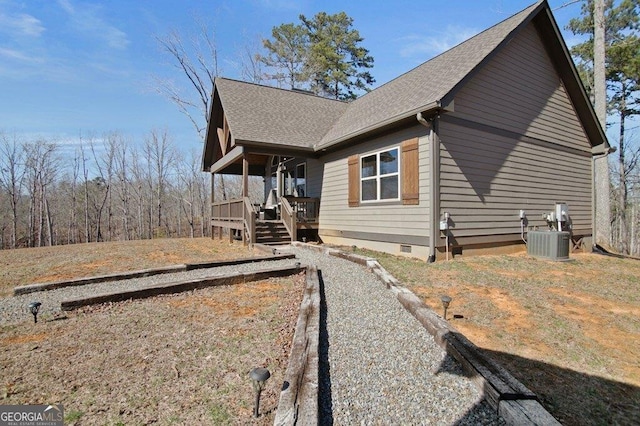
point(496, 128)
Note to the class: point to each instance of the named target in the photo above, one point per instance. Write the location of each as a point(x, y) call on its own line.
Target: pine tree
point(322, 54)
point(622, 61)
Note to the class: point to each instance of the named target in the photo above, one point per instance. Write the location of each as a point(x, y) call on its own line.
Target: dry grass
point(181, 359)
point(45, 264)
point(569, 330)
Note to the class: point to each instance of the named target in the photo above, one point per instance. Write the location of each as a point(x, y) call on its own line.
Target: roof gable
point(262, 114)
point(270, 115)
point(425, 86)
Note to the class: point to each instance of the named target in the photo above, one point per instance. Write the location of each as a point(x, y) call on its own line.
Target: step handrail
point(288, 214)
point(249, 219)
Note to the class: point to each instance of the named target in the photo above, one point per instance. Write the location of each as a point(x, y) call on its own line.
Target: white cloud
point(17, 55)
point(431, 45)
point(87, 20)
point(21, 24)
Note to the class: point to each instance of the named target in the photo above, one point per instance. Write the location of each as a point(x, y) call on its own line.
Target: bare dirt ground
point(46, 264)
point(570, 331)
point(181, 359)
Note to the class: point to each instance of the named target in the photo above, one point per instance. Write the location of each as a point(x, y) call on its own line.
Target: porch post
point(279, 180)
point(245, 193)
point(213, 200)
point(245, 175)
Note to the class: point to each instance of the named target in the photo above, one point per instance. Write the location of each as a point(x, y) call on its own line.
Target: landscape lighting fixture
point(446, 300)
point(259, 376)
point(34, 307)
point(298, 265)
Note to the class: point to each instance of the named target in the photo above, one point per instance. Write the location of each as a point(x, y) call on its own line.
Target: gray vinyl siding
point(484, 188)
point(315, 173)
point(379, 218)
point(519, 90)
point(514, 142)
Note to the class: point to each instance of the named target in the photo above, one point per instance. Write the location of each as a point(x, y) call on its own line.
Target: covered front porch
point(284, 214)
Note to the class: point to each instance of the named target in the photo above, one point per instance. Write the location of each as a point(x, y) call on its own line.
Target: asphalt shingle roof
point(422, 87)
point(283, 117)
point(276, 116)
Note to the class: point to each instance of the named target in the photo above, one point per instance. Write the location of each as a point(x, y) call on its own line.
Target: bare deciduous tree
point(12, 178)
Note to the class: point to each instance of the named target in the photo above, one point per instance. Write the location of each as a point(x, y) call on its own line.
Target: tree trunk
point(602, 225)
point(624, 193)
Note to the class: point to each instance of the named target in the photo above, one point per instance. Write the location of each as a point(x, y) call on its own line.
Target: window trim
point(378, 176)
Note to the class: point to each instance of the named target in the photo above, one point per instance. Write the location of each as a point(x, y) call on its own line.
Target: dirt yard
point(570, 331)
point(45, 264)
point(181, 359)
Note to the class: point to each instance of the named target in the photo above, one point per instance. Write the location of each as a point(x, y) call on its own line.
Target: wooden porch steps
point(271, 232)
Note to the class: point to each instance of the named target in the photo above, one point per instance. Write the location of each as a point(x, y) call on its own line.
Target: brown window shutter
point(410, 172)
point(354, 181)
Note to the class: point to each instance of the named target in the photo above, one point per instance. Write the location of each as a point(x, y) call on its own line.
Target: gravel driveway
point(378, 365)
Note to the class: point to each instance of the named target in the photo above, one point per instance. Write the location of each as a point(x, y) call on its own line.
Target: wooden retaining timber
point(178, 287)
point(299, 396)
point(512, 400)
point(31, 288)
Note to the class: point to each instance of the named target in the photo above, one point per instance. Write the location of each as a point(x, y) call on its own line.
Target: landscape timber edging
point(179, 287)
point(512, 400)
point(32, 288)
point(298, 402)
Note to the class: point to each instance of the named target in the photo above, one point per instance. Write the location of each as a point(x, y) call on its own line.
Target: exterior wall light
point(34, 307)
point(446, 300)
point(259, 377)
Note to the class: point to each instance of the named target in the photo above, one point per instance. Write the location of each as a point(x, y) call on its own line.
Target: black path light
point(446, 300)
point(259, 376)
point(34, 307)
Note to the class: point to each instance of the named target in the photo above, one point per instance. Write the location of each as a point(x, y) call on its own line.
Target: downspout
point(434, 195)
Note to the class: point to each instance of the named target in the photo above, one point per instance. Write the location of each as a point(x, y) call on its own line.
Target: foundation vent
point(405, 248)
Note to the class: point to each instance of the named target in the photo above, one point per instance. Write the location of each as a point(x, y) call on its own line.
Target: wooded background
point(104, 189)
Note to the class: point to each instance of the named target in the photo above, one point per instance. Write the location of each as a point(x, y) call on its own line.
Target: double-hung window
point(385, 176)
point(380, 176)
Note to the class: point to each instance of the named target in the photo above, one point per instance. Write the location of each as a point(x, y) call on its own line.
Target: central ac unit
point(552, 245)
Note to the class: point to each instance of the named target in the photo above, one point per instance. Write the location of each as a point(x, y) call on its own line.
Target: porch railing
point(237, 214)
point(288, 214)
point(297, 210)
point(307, 209)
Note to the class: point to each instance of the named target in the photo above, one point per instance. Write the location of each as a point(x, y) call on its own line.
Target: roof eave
point(377, 126)
point(274, 148)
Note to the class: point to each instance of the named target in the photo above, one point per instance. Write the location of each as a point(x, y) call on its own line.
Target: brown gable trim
point(513, 135)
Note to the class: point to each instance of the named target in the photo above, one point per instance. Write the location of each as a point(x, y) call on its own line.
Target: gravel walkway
point(378, 365)
point(383, 367)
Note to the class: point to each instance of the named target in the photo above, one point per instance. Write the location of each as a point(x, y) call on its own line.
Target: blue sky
point(75, 67)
